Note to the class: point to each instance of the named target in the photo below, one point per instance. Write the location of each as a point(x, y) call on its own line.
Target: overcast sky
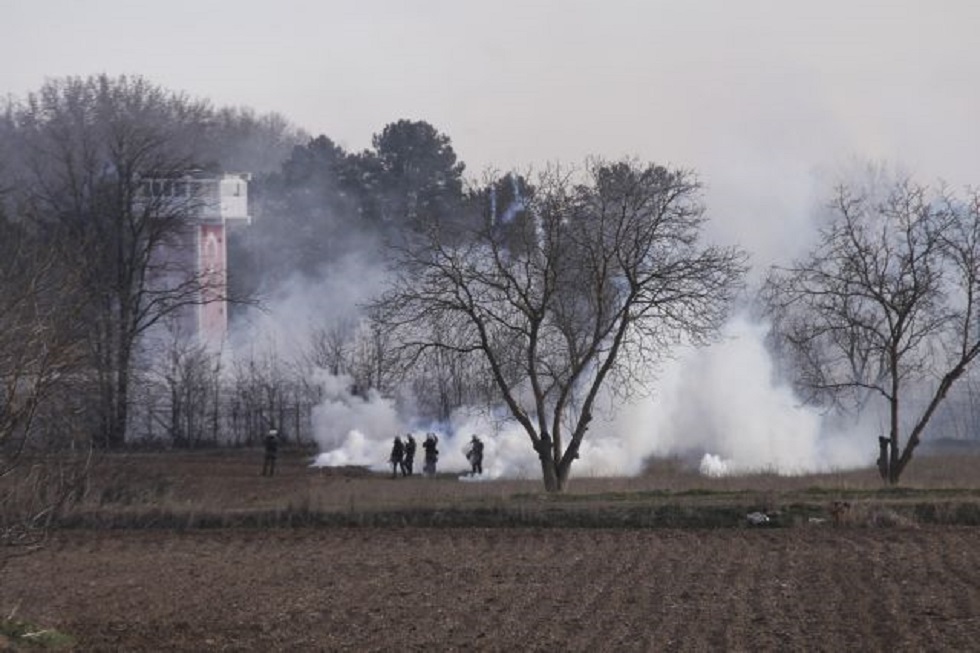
point(765, 98)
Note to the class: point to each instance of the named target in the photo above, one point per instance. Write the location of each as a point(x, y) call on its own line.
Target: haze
point(761, 97)
point(769, 101)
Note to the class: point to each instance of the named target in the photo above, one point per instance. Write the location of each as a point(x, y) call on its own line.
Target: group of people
point(402, 457)
point(402, 454)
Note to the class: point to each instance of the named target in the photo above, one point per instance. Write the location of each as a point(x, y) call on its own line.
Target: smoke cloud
point(353, 430)
point(725, 405)
point(720, 406)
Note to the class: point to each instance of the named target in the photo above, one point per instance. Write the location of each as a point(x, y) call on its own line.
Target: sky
point(771, 102)
point(766, 99)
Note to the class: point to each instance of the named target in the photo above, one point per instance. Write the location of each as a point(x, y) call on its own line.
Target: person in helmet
point(431, 454)
point(474, 453)
point(397, 457)
point(271, 443)
point(408, 467)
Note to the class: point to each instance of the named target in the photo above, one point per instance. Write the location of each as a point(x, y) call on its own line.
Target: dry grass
point(224, 488)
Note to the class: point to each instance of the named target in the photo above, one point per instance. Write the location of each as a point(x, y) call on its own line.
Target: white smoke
point(353, 430)
point(723, 404)
point(298, 306)
point(720, 404)
point(714, 466)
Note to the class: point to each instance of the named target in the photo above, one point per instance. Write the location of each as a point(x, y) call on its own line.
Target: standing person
point(475, 455)
point(397, 457)
point(431, 454)
point(407, 467)
point(271, 451)
point(883, 461)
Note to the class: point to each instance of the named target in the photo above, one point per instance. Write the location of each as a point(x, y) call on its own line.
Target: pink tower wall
point(212, 263)
point(199, 251)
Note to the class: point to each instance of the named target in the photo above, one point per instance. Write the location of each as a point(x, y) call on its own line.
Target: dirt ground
point(821, 588)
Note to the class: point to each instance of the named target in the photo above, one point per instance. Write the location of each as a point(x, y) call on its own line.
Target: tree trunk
point(549, 474)
point(555, 477)
point(883, 458)
point(116, 437)
point(901, 461)
point(894, 469)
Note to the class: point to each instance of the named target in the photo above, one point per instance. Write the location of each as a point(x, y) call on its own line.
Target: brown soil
point(812, 588)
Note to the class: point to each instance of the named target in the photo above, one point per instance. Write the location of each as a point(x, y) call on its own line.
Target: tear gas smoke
point(725, 404)
point(353, 430)
point(300, 305)
point(719, 404)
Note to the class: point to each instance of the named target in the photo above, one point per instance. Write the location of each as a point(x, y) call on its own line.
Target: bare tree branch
point(583, 287)
point(884, 305)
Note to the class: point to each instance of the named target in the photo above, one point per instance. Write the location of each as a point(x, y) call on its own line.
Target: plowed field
point(361, 589)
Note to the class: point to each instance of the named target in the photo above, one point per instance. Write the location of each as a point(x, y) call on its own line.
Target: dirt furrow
point(506, 589)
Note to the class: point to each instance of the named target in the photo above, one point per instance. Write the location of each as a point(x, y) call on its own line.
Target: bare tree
point(100, 164)
point(182, 392)
point(329, 347)
point(885, 306)
point(591, 284)
point(268, 391)
point(40, 343)
point(44, 460)
point(443, 382)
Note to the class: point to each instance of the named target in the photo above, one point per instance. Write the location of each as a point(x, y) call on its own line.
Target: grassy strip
point(16, 634)
point(671, 514)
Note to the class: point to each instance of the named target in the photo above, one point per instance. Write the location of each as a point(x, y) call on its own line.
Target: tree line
point(534, 294)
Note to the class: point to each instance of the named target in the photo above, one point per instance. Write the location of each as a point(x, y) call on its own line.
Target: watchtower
point(224, 204)
point(207, 205)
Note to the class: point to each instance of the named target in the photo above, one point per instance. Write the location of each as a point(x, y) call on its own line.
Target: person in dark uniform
point(397, 457)
point(884, 462)
point(409, 464)
point(271, 443)
point(431, 454)
point(475, 455)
